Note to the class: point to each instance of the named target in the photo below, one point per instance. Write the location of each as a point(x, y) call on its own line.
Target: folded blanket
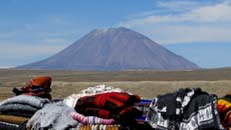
point(33, 101)
point(13, 119)
point(20, 108)
point(113, 101)
point(54, 116)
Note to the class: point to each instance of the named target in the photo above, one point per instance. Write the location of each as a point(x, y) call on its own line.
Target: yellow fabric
point(13, 119)
point(223, 105)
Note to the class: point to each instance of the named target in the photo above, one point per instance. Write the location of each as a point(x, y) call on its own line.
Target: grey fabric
point(8, 126)
point(29, 115)
point(25, 99)
point(17, 108)
point(54, 116)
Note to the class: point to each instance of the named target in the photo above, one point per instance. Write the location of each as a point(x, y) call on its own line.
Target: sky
point(198, 30)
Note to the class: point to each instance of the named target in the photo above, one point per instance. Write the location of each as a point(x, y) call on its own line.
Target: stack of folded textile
point(106, 103)
point(116, 105)
point(16, 110)
point(39, 86)
point(54, 116)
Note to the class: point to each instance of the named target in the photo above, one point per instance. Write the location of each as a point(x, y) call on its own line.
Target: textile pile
point(186, 109)
point(39, 86)
point(111, 105)
point(17, 110)
point(108, 108)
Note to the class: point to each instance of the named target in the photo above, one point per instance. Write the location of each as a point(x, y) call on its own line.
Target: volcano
point(114, 49)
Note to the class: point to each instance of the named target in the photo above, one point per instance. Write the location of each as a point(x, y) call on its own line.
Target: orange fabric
point(44, 81)
point(224, 109)
point(223, 105)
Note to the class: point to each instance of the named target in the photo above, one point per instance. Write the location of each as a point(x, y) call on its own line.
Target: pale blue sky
point(34, 30)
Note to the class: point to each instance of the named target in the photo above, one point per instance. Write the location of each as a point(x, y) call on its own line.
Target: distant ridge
point(114, 49)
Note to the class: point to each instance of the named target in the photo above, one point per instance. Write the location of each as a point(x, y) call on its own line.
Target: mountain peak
point(114, 49)
point(106, 30)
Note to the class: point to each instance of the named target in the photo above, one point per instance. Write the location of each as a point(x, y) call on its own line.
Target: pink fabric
point(91, 120)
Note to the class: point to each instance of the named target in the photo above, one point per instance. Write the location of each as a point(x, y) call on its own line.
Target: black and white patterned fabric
point(186, 109)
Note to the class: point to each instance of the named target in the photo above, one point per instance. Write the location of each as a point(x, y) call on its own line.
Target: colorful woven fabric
point(113, 101)
point(39, 86)
point(224, 109)
point(91, 120)
point(99, 89)
point(143, 105)
point(100, 127)
point(126, 113)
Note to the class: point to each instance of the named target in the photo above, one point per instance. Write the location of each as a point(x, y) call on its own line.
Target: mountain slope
point(114, 49)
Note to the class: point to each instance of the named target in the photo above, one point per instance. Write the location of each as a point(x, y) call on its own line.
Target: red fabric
point(126, 113)
point(38, 86)
point(114, 101)
point(44, 81)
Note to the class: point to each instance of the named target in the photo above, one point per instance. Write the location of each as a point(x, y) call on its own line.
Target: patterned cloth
point(73, 99)
point(224, 109)
point(126, 113)
point(100, 127)
point(91, 120)
point(116, 105)
point(186, 109)
point(39, 86)
point(114, 101)
point(143, 105)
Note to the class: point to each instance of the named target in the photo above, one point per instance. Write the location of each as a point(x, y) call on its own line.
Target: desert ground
point(147, 84)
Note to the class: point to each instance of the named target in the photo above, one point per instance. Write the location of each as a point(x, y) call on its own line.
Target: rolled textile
point(91, 120)
point(13, 119)
point(55, 116)
point(33, 101)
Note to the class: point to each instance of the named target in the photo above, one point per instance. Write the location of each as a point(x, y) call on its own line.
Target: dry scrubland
point(145, 83)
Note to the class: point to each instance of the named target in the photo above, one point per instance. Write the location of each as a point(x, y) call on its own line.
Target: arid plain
point(147, 84)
